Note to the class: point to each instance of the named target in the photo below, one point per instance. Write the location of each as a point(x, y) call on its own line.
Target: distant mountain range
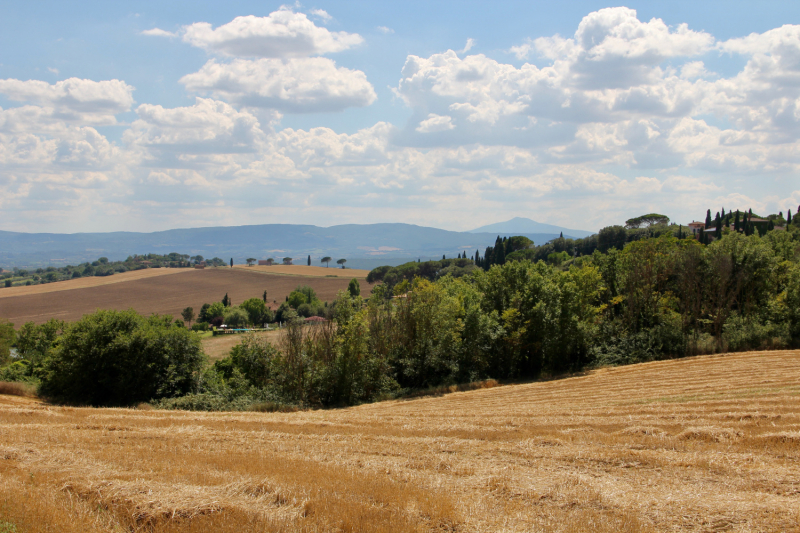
point(363, 245)
point(520, 226)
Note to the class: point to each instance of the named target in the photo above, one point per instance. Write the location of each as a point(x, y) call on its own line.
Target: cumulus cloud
point(301, 85)
point(85, 101)
point(613, 120)
point(435, 123)
point(282, 34)
point(208, 127)
point(322, 14)
point(385, 29)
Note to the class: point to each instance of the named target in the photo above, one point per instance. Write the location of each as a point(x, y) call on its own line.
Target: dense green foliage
point(120, 358)
point(656, 298)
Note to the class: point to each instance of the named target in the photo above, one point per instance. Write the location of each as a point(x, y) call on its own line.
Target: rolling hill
point(364, 245)
point(522, 226)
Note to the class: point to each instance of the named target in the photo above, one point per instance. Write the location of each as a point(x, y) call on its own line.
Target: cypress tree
point(309, 260)
point(226, 301)
point(723, 212)
point(788, 217)
point(708, 218)
point(736, 221)
point(718, 230)
point(443, 257)
point(499, 251)
point(488, 258)
point(680, 232)
point(231, 262)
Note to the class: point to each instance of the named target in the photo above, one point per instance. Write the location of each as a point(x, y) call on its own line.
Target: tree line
point(446, 322)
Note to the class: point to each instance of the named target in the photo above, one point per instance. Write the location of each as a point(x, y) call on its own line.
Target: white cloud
point(623, 117)
point(435, 123)
point(299, 85)
point(282, 34)
point(694, 69)
point(385, 29)
point(85, 101)
point(468, 46)
point(53, 70)
point(522, 51)
point(208, 127)
point(158, 32)
point(321, 13)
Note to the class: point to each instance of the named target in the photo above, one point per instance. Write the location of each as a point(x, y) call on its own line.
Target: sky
point(146, 116)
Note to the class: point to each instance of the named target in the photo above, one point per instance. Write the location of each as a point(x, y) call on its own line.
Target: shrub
point(122, 358)
point(200, 326)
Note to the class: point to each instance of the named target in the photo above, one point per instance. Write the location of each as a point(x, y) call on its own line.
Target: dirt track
point(166, 294)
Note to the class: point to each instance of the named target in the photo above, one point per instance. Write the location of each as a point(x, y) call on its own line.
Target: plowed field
point(163, 294)
point(703, 444)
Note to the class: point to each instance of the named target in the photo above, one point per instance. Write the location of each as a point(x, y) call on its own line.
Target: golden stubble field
point(702, 444)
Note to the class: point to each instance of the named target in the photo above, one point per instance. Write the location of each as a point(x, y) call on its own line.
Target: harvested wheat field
point(163, 294)
point(702, 444)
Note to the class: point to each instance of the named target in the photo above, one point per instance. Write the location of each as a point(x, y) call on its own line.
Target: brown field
point(94, 281)
point(163, 294)
point(304, 270)
point(702, 444)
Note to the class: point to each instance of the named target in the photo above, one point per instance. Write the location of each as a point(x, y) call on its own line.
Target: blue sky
point(143, 116)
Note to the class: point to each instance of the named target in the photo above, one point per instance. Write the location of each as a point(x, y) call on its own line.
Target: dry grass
point(308, 271)
point(703, 444)
point(12, 388)
point(164, 294)
point(93, 281)
point(220, 346)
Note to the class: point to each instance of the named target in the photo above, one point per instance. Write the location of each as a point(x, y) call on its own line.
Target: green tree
point(235, 317)
point(188, 314)
point(250, 261)
point(353, 288)
point(226, 301)
point(121, 358)
point(231, 262)
point(296, 299)
point(287, 260)
point(215, 310)
point(7, 338)
point(326, 260)
point(611, 237)
point(309, 260)
point(341, 262)
point(645, 221)
point(256, 310)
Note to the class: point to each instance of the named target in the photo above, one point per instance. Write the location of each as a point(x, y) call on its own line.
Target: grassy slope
point(709, 443)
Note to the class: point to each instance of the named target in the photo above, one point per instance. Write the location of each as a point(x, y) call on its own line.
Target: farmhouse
point(696, 227)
